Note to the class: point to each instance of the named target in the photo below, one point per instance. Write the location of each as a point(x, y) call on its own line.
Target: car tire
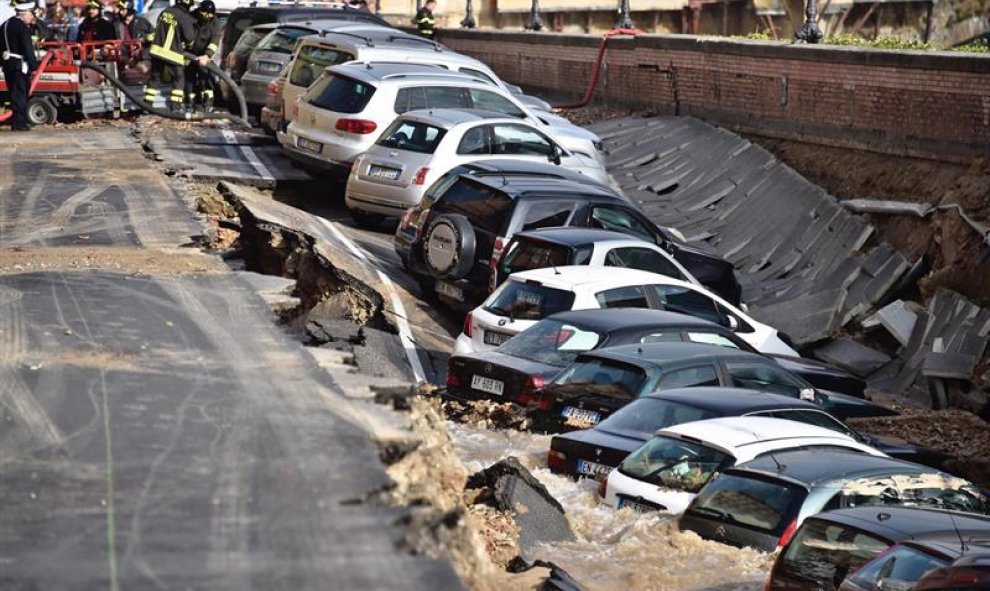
point(366, 220)
point(41, 111)
point(449, 246)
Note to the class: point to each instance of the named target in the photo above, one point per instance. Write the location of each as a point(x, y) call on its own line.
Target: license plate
point(310, 145)
point(579, 414)
point(637, 507)
point(450, 290)
point(496, 338)
point(381, 172)
point(592, 468)
point(487, 385)
point(269, 67)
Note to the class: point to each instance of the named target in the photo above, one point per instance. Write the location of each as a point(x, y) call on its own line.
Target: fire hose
point(596, 72)
point(34, 82)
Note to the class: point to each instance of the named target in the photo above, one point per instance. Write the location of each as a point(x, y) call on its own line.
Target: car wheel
point(41, 111)
point(366, 220)
point(449, 246)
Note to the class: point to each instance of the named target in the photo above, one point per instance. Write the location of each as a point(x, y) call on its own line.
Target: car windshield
point(339, 94)
point(643, 417)
point(311, 61)
point(674, 464)
point(525, 300)
point(601, 376)
point(412, 136)
point(282, 40)
point(896, 570)
point(823, 553)
point(524, 255)
point(551, 342)
point(933, 490)
point(767, 506)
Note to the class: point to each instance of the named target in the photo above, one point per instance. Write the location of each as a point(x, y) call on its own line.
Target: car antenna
point(962, 542)
point(552, 266)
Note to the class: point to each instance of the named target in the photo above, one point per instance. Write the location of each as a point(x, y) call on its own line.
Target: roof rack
point(313, 3)
point(436, 46)
point(367, 40)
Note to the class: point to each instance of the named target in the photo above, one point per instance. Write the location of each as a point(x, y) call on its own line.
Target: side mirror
point(808, 394)
point(731, 323)
point(555, 154)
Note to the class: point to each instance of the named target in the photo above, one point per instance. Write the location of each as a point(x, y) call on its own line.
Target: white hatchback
point(420, 146)
point(666, 473)
point(530, 296)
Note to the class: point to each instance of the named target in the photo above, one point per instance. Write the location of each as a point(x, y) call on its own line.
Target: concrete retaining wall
point(928, 104)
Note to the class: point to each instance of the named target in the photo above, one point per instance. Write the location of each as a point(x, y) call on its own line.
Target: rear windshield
point(312, 60)
point(487, 208)
point(898, 570)
point(248, 41)
point(602, 376)
point(642, 418)
point(528, 301)
point(339, 94)
point(282, 40)
point(523, 255)
point(551, 342)
point(763, 505)
point(824, 553)
point(412, 136)
point(674, 464)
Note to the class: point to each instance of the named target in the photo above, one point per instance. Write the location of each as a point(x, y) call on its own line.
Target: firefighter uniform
point(199, 83)
point(138, 29)
point(174, 33)
point(19, 61)
point(95, 27)
point(40, 31)
point(424, 20)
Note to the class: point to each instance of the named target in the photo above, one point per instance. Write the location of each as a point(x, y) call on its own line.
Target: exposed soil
point(120, 259)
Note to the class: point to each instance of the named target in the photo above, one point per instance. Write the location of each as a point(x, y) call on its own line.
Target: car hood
point(821, 375)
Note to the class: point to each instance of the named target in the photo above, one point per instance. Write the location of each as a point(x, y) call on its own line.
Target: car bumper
point(311, 161)
point(387, 200)
point(255, 88)
point(270, 119)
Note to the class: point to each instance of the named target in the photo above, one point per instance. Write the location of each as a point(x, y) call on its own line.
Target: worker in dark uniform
point(199, 83)
point(19, 61)
point(40, 31)
point(95, 27)
point(174, 34)
point(133, 27)
point(424, 20)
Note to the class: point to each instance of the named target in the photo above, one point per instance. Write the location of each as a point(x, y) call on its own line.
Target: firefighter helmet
point(94, 4)
point(207, 6)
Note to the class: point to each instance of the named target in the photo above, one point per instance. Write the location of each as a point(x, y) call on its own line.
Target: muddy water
point(616, 549)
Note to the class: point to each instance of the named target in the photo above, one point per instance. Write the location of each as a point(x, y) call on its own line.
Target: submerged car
point(929, 563)
point(762, 503)
point(667, 472)
point(969, 572)
point(420, 146)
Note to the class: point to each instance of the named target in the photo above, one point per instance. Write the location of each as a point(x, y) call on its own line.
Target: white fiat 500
point(666, 473)
point(530, 296)
point(420, 146)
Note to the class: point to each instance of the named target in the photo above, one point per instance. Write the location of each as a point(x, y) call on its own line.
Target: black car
point(453, 240)
point(522, 374)
point(830, 546)
point(600, 382)
point(931, 563)
point(761, 502)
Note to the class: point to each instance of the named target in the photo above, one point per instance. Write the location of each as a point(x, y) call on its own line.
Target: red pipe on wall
point(590, 91)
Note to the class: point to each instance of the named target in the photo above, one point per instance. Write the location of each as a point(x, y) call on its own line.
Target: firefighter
point(95, 27)
point(19, 60)
point(174, 33)
point(199, 83)
point(424, 20)
point(40, 31)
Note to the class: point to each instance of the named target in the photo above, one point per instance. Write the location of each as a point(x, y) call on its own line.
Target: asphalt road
point(158, 430)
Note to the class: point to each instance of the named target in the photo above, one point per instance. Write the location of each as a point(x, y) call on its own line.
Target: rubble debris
point(559, 579)
point(897, 317)
point(509, 486)
point(850, 355)
point(888, 207)
point(340, 333)
point(487, 414)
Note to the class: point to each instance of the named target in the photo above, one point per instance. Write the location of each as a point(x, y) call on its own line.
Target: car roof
point(528, 185)
point(451, 117)
point(418, 72)
point(948, 544)
point(739, 432)
point(575, 236)
point(811, 468)
point(629, 318)
point(731, 401)
point(370, 35)
point(900, 523)
point(658, 353)
point(588, 276)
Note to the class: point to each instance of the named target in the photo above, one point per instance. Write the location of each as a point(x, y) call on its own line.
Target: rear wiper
point(716, 512)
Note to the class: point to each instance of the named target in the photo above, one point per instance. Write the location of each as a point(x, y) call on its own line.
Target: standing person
point(40, 31)
point(174, 33)
point(58, 20)
point(131, 26)
point(74, 21)
point(95, 26)
point(19, 60)
point(424, 20)
point(199, 83)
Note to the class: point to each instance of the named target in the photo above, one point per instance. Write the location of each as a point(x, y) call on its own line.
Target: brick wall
point(929, 104)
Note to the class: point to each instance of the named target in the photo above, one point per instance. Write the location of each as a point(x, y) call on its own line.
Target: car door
point(689, 377)
point(645, 258)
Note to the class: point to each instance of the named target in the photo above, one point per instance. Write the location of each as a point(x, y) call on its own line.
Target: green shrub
point(978, 46)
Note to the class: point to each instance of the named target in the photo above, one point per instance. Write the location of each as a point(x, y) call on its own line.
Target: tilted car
point(529, 296)
point(968, 572)
point(420, 146)
point(666, 473)
point(934, 562)
point(452, 242)
point(830, 546)
point(762, 503)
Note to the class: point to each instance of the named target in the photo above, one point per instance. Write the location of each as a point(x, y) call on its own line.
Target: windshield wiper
point(716, 512)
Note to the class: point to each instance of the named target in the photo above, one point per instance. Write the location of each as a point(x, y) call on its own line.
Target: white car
point(420, 146)
point(530, 296)
point(666, 473)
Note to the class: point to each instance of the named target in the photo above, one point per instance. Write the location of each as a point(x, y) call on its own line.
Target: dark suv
point(453, 240)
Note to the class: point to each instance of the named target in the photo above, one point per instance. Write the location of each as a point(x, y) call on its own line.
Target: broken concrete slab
point(888, 207)
point(850, 355)
point(898, 318)
point(949, 365)
point(510, 487)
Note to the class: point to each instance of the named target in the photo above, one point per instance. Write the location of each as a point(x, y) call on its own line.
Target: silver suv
point(348, 107)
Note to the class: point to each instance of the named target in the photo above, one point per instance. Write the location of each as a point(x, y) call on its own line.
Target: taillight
point(556, 461)
point(452, 380)
point(468, 325)
point(533, 395)
point(493, 264)
point(358, 126)
point(272, 88)
point(421, 176)
point(785, 538)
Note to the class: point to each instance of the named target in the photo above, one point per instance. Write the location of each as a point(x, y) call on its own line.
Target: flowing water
point(616, 549)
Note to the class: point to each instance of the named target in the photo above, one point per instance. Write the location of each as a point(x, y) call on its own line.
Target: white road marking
point(249, 154)
point(401, 323)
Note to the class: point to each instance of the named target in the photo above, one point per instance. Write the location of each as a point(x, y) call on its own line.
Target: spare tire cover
point(449, 246)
